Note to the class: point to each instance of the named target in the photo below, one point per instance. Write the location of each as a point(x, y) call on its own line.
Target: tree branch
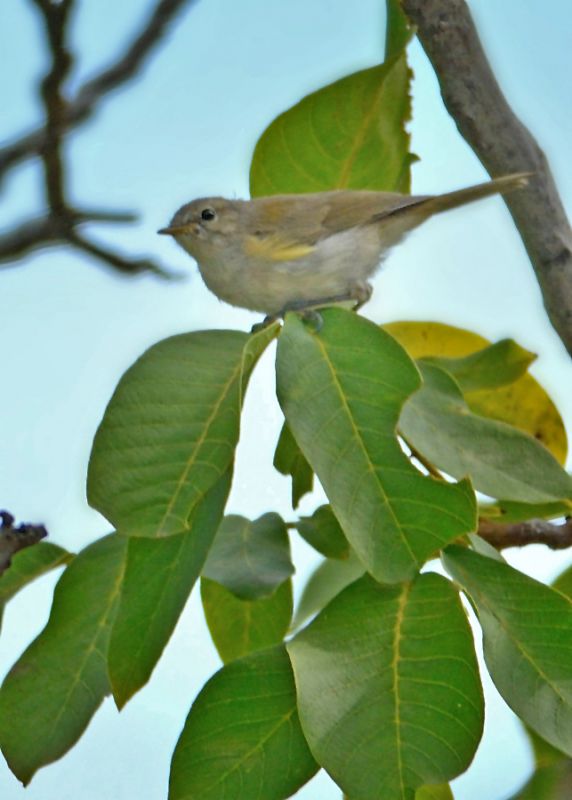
point(503, 145)
point(89, 95)
point(56, 18)
point(53, 229)
point(13, 539)
point(59, 224)
point(520, 534)
point(128, 266)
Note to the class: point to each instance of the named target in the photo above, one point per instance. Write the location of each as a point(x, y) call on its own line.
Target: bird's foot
point(361, 292)
point(358, 293)
point(268, 320)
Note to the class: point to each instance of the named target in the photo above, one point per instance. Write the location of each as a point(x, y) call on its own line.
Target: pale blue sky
point(70, 328)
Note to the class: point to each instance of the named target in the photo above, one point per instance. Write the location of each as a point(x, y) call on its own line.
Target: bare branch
point(534, 531)
point(128, 266)
point(29, 236)
point(502, 143)
point(59, 224)
point(52, 229)
point(56, 18)
point(95, 89)
point(13, 539)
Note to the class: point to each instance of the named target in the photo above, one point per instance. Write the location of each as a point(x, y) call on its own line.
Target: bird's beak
point(174, 230)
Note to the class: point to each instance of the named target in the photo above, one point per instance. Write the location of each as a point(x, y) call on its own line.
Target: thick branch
point(534, 531)
point(89, 95)
point(502, 143)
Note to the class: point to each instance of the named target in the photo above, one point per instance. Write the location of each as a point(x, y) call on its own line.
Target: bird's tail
point(443, 202)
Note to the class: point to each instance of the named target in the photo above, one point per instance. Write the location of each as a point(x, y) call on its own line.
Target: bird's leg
point(360, 292)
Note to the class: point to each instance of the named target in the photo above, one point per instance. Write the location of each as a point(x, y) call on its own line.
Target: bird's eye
point(208, 214)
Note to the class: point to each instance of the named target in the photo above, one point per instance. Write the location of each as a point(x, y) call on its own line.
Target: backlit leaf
point(348, 135)
point(242, 738)
point(323, 532)
point(250, 558)
point(29, 564)
point(289, 460)
point(326, 581)
point(512, 511)
point(239, 627)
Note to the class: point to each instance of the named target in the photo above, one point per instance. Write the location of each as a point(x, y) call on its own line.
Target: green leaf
point(388, 687)
point(563, 583)
point(242, 738)
point(510, 511)
point(552, 782)
point(348, 135)
point(323, 532)
point(159, 576)
point(398, 30)
point(325, 582)
point(56, 686)
point(289, 460)
point(170, 430)
point(341, 391)
point(29, 564)
point(527, 640)
point(440, 792)
point(523, 403)
point(500, 460)
point(481, 546)
point(239, 627)
point(544, 753)
point(497, 365)
point(250, 558)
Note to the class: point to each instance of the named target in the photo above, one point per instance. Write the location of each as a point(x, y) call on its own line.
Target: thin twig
point(520, 534)
point(94, 90)
point(128, 266)
point(503, 144)
point(53, 230)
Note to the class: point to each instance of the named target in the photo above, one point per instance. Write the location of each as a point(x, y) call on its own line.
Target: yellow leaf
point(524, 403)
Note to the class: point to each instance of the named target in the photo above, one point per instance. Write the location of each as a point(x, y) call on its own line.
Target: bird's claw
point(268, 320)
point(313, 318)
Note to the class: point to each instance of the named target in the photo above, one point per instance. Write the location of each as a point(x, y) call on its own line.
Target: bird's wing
point(364, 208)
point(273, 246)
point(284, 226)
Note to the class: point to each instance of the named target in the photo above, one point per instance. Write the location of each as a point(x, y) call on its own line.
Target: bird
point(291, 252)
